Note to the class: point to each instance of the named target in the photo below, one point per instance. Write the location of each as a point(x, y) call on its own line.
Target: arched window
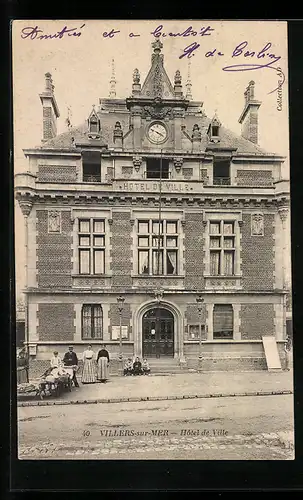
point(223, 321)
point(92, 321)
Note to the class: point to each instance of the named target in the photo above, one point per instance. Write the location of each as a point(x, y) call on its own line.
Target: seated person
point(56, 361)
point(145, 367)
point(137, 367)
point(128, 367)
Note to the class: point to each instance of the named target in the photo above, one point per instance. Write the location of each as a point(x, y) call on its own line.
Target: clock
point(157, 133)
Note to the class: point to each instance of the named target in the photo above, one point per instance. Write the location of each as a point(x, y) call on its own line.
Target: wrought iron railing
point(91, 178)
point(221, 181)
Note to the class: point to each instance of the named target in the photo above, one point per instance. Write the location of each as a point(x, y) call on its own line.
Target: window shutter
point(223, 318)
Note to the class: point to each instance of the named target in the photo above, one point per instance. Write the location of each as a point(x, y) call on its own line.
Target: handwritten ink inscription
point(34, 32)
point(248, 58)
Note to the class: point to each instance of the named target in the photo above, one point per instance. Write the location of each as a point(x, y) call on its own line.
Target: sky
point(81, 71)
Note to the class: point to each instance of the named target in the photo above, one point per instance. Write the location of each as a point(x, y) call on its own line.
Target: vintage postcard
point(152, 230)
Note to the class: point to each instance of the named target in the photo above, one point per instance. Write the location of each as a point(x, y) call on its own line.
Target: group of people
point(136, 367)
point(94, 367)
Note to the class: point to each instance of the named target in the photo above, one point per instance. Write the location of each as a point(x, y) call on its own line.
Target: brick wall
point(56, 322)
point(194, 254)
point(250, 125)
point(254, 178)
point(121, 253)
point(114, 316)
point(256, 320)
point(54, 252)
point(192, 314)
point(54, 173)
point(258, 255)
point(187, 172)
point(48, 126)
point(192, 317)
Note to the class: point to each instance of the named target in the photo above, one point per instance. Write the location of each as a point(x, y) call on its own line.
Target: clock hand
point(159, 133)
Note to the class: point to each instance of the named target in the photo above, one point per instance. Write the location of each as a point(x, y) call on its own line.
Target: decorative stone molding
point(127, 171)
point(26, 207)
point(283, 212)
point(196, 135)
point(137, 161)
point(257, 224)
point(110, 221)
point(187, 172)
point(54, 221)
point(178, 162)
point(222, 283)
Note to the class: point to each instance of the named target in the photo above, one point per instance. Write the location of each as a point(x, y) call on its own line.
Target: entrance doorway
point(158, 333)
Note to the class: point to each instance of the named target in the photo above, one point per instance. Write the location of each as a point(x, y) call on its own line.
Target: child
point(137, 367)
point(128, 367)
point(145, 367)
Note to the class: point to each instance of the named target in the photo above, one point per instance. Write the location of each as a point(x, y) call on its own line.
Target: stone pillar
point(26, 207)
point(237, 332)
point(283, 212)
point(136, 116)
point(178, 117)
point(210, 327)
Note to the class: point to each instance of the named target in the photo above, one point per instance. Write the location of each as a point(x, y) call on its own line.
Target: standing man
point(287, 349)
point(70, 359)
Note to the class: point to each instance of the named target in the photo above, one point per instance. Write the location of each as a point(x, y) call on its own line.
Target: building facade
point(152, 202)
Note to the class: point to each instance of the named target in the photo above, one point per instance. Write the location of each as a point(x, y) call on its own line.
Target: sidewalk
point(179, 386)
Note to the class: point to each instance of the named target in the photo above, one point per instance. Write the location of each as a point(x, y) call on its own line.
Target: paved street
point(188, 384)
point(241, 428)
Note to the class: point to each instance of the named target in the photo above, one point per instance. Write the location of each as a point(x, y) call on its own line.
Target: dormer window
point(214, 129)
point(94, 125)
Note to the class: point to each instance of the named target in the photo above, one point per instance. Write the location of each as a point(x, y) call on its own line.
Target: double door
point(158, 333)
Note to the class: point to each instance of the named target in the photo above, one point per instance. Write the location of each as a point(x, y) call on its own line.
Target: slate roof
point(112, 110)
point(78, 135)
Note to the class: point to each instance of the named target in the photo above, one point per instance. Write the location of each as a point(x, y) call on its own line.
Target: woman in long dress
point(103, 362)
point(89, 371)
point(21, 369)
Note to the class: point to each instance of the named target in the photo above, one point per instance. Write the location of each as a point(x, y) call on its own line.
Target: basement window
point(221, 172)
point(91, 161)
point(157, 168)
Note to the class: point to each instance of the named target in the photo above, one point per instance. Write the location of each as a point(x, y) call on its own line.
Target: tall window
point(91, 161)
point(222, 248)
point(157, 247)
point(154, 170)
point(221, 172)
point(91, 246)
point(92, 321)
point(223, 321)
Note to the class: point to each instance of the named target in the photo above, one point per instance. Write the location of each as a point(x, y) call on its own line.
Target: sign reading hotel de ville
point(117, 123)
point(156, 187)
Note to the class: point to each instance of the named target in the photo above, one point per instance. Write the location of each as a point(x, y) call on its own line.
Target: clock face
point(157, 133)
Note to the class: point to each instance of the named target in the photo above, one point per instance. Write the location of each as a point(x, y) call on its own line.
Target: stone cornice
point(144, 290)
point(152, 200)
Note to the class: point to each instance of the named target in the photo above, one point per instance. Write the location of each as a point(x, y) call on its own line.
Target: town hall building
point(155, 230)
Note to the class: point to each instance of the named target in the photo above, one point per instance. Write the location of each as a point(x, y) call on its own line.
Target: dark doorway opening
point(221, 172)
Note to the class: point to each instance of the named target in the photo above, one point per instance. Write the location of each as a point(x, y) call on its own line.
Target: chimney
point(249, 115)
point(50, 109)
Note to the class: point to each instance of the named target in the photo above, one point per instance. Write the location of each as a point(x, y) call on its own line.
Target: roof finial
point(69, 118)
point(157, 46)
point(112, 93)
point(188, 84)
